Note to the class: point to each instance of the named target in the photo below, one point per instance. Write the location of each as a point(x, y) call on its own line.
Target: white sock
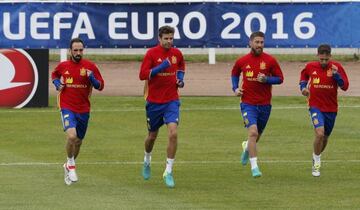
point(246, 146)
point(147, 157)
point(316, 158)
point(169, 165)
point(71, 161)
point(253, 162)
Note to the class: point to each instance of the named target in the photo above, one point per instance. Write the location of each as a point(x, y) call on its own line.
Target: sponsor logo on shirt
point(69, 80)
point(316, 80)
point(165, 74)
point(249, 74)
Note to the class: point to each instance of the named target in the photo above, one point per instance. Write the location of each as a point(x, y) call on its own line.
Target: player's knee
point(253, 134)
point(152, 136)
point(72, 138)
point(173, 134)
point(78, 142)
point(320, 133)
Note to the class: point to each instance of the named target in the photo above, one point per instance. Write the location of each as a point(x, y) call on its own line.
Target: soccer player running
point(259, 72)
point(319, 82)
point(74, 79)
point(163, 70)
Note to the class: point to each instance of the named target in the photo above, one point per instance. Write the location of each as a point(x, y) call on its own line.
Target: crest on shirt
point(248, 67)
point(66, 72)
point(249, 74)
point(159, 60)
point(316, 80)
point(173, 59)
point(69, 80)
point(329, 73)
point(262, 65)
point(314, 73)
point(82, 72)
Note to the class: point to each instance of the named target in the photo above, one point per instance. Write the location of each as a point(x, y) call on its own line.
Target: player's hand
point(239, 92)
point(89, 72)
point(58, 85)
point(180, 83)
point(305, 92)
point(261, 78)
point(334, 69)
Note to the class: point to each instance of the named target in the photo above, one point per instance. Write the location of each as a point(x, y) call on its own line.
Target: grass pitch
point(207, 172)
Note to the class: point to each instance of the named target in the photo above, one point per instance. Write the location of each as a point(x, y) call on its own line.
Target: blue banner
point(52, 25)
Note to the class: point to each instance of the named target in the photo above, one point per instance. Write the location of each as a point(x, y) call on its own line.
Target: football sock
point(147, 157)
point(71, 161)
point(253, 162)
point(316, 158)
point(169, 165)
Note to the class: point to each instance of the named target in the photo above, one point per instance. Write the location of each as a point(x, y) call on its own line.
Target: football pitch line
point(299, 162)
point(142, 109)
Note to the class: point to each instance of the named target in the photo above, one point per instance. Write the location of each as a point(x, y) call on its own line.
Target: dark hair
point(75, 40)
point(257, 34)
point(324, 49)
point(166, 30)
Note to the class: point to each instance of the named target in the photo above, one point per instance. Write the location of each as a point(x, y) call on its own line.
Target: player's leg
point(81, 128)
point(154, 117)
point(171, 118)
point(71, 148)
point(149, 144)
point(329, 122)
point(69, 124)
point(248, 114)
point(317, 119)
point(253, 137)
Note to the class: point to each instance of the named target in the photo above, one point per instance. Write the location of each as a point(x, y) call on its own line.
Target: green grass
point(207, 171)
point(204, 58)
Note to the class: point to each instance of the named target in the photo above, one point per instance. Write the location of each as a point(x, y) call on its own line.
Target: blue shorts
point(323, 119)
point(255, 115)
point(75, 120)
point(158, 114)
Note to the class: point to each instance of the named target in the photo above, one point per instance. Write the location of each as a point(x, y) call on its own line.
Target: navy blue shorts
point(323, 119)
point(255, 115)
point(160, 114)
point(75, 120)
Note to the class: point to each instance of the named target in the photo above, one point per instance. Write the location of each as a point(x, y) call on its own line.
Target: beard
point(76, 58)
point(257, 51)
point(324, 65)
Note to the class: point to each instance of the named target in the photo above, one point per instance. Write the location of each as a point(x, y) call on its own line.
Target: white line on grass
point(205, 162)
point(142, 110)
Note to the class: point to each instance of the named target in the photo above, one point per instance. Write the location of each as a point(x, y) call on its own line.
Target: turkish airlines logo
point(18, 78)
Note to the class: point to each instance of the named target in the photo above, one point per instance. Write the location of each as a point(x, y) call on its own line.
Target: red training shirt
point(77, 91)
point(250, 65)
point(322, 86)
point(162, 87)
